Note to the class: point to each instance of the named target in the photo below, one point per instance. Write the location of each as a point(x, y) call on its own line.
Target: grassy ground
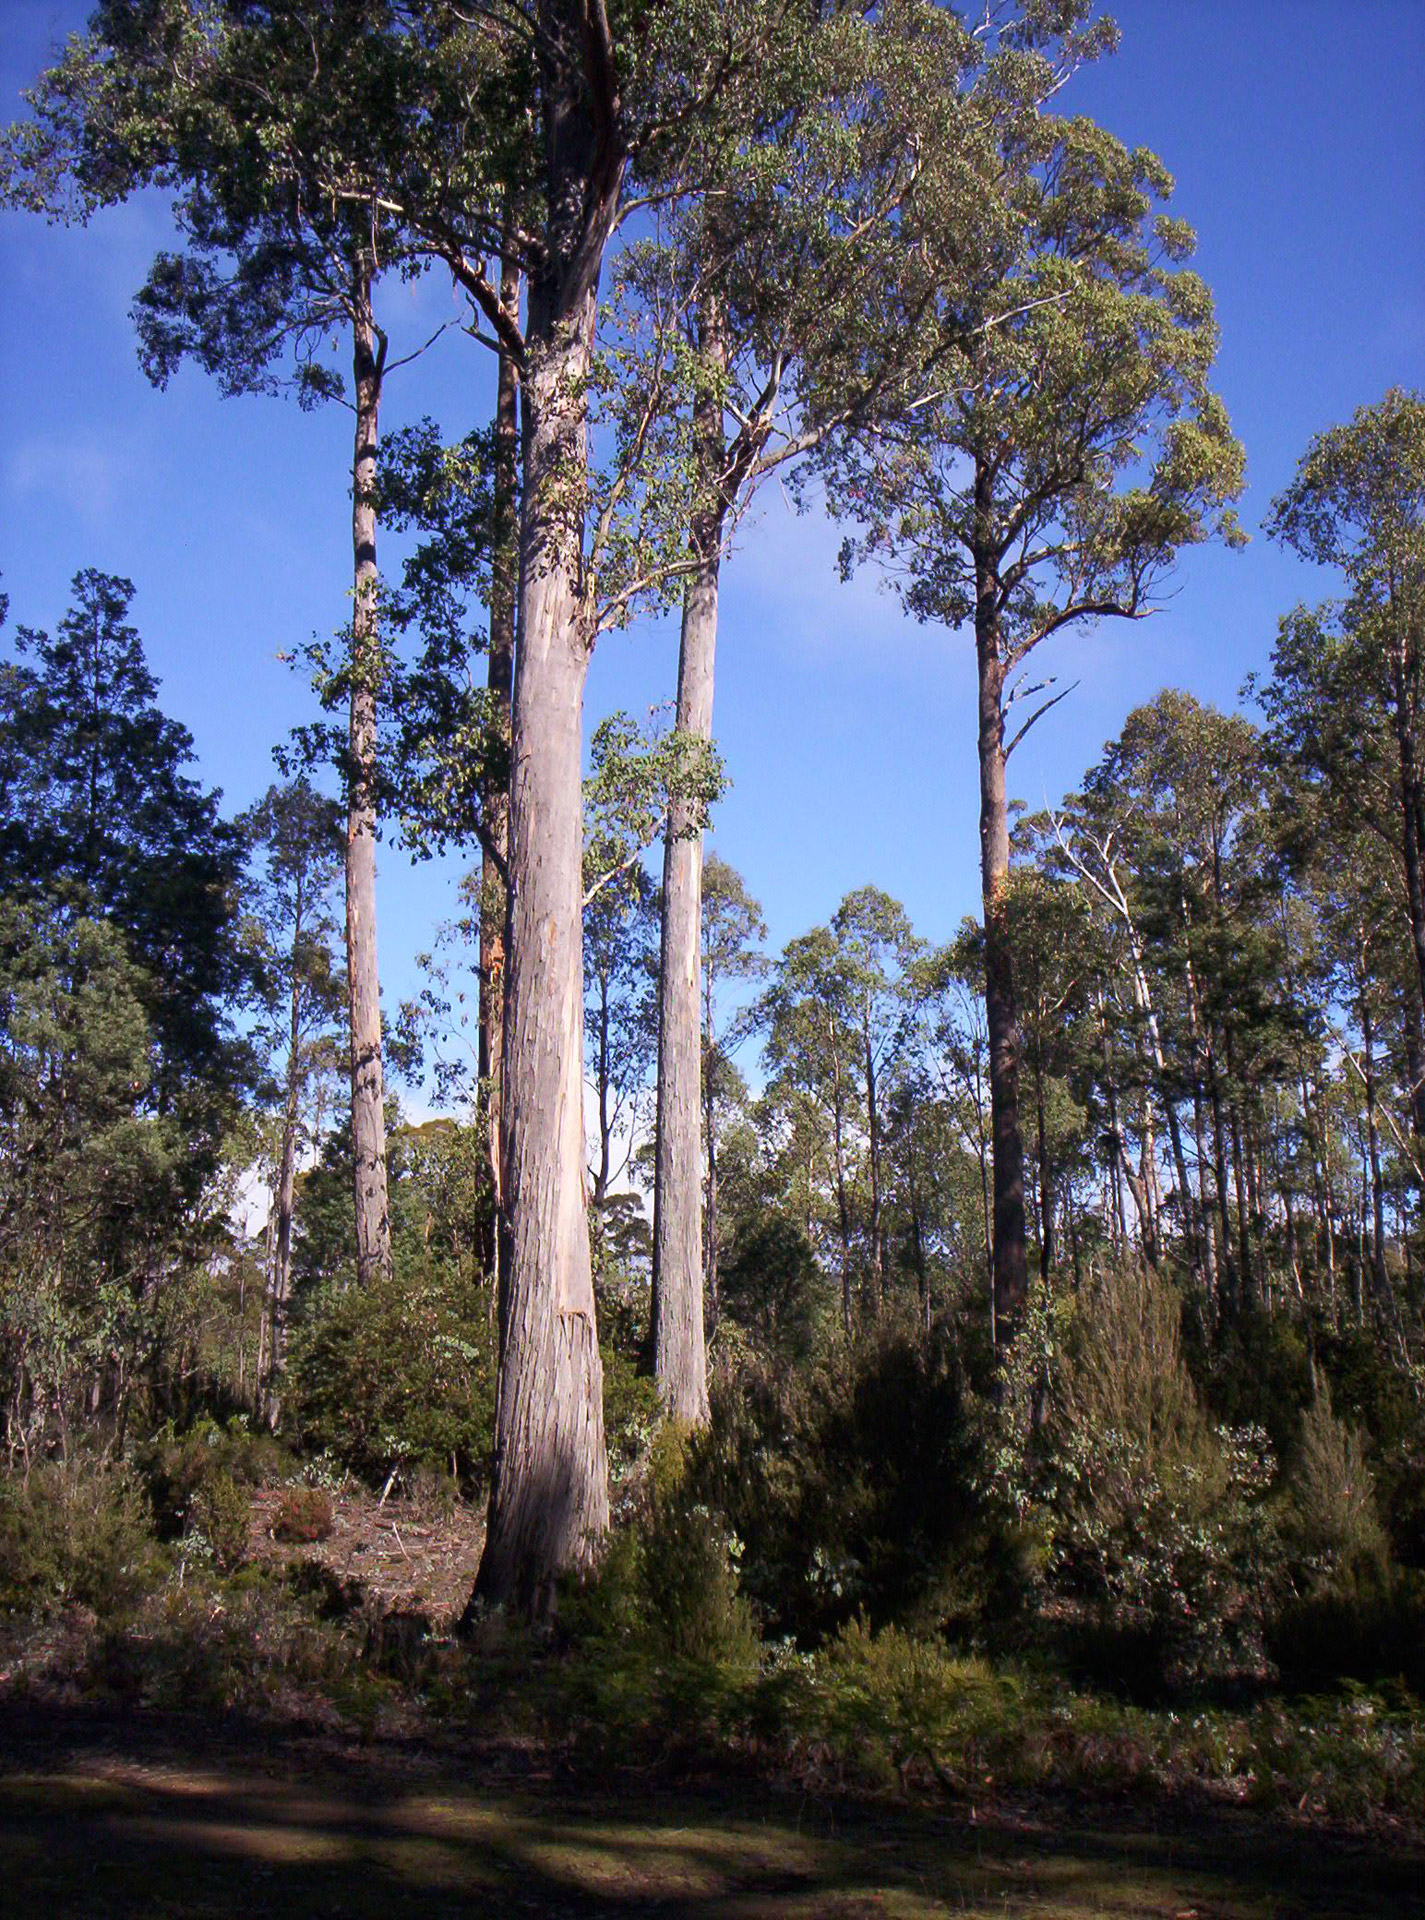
point(166, 1820)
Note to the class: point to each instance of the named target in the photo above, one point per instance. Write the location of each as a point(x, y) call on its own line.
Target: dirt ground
point(409, 1557)
point(169, 1819)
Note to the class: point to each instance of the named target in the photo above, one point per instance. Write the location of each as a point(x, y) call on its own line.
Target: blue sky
point(1296, 133)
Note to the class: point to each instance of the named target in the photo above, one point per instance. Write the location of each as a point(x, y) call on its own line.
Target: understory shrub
point(220, 1511)
point(1346, 1611)
point(80, 1531)
point(399, 1374)
point(851, 1483)
point(1157, 1540)
point(668, 1584)
point(181, 1466)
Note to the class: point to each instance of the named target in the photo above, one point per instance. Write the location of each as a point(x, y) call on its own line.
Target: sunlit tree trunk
point(280, 1289)
point(678, 1336)
point(549, 1501)
point(495, 801)
point(368, 1089)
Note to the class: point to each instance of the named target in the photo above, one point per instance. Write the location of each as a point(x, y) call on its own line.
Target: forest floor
point(409, 1556)
point(164, 1816)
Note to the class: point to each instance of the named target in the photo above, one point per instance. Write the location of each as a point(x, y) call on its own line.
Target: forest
point(642, 1416)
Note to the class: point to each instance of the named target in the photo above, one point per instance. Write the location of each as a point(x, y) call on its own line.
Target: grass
point(165, 1826)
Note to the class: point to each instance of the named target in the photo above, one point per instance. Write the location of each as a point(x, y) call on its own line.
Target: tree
point(732, 929)
point(295, 838)
point(239, 111)
point(1077, 451)
point(89, 1228)
point(100, 816)
point(1357, 503)
point(806, 313)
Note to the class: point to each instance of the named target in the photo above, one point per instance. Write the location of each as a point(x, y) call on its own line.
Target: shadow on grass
point(163, 1820)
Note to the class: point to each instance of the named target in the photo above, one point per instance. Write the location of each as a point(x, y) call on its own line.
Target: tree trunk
point(1011, 1256)
point(280, 1291)
point(368, 1089)
point(549, 1501)
point(495, 800)
point(601, 1088)
point(710, 1213)
point(1379, 1278)
point(1046, 1185)
point(873, 1126)
point(677, 1336)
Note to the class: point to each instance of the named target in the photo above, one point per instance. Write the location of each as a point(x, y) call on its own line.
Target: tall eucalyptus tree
point(1052, 482)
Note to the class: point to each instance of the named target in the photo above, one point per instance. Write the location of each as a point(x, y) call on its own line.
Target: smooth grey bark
point(678, 1337)
point(368, 1089)
point(710, 1294)
point(495, 801)
point(677, 1332)
point(549, 1497)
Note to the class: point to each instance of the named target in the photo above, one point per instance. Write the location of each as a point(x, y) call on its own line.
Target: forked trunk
point(368, 1089)
point(677, 1335)
point(549, 1501)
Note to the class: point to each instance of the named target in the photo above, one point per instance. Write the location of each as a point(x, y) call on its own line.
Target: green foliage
point(76, 1531)
point(1153, 1521)
point(895, 1702)
point(1329, 1522)
point(98, 809)
point(219, 1512)
point(398, 1374)
point(90, 1179)
point(178, 1466)
point(664, 1610)
point(849, 1482)
point(771, 1286)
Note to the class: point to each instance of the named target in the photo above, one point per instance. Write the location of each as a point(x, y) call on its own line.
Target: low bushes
point(304, 1516)
point(399, 1374)
point(76, 1531)
point(850, 1484)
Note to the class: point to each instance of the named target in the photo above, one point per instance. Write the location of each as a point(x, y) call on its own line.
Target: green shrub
point(771, 1286)
point(1153, 1521)
point(631, 1410)
point(667, 1585)
point(399, 1373)
point(851, 1483)
point(894, 1699)
point(304, 1515)
point(221, 1511)
point(178, 1466)
point(1330, 1525)
point(77, 1532)
point(689, 1577)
